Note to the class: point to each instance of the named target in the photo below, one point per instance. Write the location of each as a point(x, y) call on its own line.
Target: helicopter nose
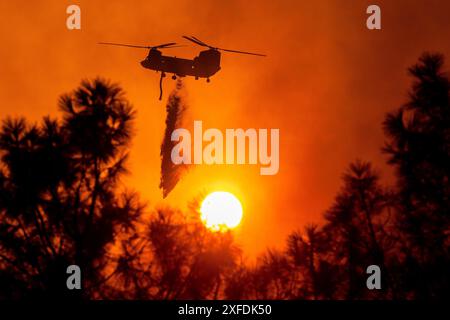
point(144, 63)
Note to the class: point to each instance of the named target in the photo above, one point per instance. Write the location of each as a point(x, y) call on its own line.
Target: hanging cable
point(160, 85)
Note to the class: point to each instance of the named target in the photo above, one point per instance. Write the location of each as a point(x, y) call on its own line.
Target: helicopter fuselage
point(205, 65)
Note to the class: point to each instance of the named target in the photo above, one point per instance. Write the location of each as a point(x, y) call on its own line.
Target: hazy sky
point(326, 84)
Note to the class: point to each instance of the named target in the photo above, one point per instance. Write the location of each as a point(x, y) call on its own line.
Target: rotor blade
point(170, 44)
point(170, 47)
point(195, 41)
point(243, 52)
point(124, 45)
point(200, 41)
point(161, 46)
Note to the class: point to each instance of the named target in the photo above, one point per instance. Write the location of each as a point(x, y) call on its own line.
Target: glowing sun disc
point(221, 211)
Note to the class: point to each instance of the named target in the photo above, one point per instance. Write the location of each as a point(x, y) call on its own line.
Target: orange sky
point(326, 83)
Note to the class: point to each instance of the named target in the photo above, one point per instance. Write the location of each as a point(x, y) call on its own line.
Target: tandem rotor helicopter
point(205, 65)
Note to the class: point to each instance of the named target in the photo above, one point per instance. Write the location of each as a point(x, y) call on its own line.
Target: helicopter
point(205, 65)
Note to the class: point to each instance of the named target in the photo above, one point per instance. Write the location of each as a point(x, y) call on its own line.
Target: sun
point(221, 211)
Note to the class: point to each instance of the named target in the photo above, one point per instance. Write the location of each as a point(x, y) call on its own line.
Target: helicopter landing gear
point(174, 77)
point(207, 80)
point(163, 74)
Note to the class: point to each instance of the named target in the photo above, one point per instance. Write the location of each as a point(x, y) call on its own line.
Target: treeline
point(61, 204)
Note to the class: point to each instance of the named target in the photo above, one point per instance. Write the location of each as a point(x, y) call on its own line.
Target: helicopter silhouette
point(205, 65)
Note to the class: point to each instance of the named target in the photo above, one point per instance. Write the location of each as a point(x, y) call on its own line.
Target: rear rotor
point(203, 44)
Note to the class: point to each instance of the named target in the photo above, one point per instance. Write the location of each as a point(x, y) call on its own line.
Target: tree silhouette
point(419, 148)
point(174, 258)
point(308, 252)
point(356, 223)
point(271, 277)
point(59, 199)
